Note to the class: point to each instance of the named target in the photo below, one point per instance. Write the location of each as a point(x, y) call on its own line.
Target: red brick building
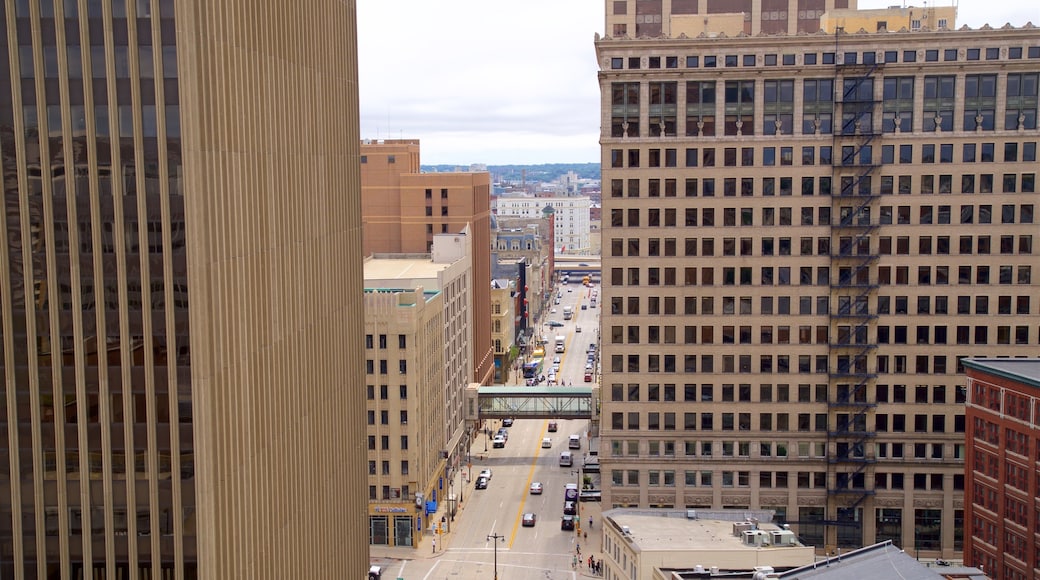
point(1003, 468)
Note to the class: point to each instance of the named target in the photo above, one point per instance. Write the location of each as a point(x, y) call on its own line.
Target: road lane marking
point(527, 486)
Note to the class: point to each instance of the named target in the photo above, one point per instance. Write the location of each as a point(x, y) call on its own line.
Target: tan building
point(404, 339)
point(692, 18)
point(403, 209)
point(666, 544)
point(503, 329)
point(786, 300)
point(448, 271)
point(181, 362)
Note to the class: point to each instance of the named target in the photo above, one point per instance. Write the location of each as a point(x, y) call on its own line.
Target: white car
point(498, 442)
point(536, 488)
point(486, 473)
point(552, 311)
point(547, 443)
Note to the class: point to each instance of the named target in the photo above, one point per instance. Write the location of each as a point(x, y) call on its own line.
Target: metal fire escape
point(853, 320)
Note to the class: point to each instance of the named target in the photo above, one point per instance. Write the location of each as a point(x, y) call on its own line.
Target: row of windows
point(857, 366)
point(811, 156)
point(849, 276)
point(821, 335)
point(784, 479)
point(785, 393)
point(825, 58)
point(824, 186)
point(384, 443)
point(856, 112)
point(384, 392)
point(386, 468)
point(820, 422)
point(370, 367)
point(402, 341)
point(384, 417)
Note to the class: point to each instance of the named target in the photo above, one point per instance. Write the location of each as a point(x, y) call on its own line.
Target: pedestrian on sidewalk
point(435, 545)
point(590, 522)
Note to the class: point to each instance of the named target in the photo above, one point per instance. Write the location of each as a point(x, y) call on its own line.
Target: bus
point(531, 369)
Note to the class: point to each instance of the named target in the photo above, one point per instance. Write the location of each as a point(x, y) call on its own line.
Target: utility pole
point(495, 537)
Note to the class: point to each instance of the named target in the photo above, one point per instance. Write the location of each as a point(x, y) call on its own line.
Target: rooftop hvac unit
point(755, 538)
point(783, 538)
point(741, 527)
point(626, 531)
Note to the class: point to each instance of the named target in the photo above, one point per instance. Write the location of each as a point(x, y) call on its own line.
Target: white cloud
point(482, 81)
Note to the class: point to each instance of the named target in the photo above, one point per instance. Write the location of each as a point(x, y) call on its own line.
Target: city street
point(543, 551)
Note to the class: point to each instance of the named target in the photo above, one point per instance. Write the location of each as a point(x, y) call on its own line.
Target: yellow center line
point(527, 487)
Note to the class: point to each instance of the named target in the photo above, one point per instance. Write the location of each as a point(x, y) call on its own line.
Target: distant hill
point(543, 172)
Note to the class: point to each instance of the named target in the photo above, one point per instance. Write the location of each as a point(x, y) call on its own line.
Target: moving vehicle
point(574, 442)
point(481, 483)
point(567, 523)
point(547, 443)
point(507, 422)
point(498, 442)
point(529, 520)
point(561, 343)
point(590, 495)
point(566, 459)
point(577, 329)
point(553, 426)
point(568, 312)
point(557, 323)
point(503, 432)
point(531, 369)
point(536, 488)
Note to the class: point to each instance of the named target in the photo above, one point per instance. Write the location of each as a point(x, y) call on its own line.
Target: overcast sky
point(513, 81)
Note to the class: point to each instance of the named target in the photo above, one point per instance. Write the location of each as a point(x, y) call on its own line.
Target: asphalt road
point(543, 551)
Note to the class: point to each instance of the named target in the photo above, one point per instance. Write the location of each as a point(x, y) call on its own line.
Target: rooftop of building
point(401, 267)
point(881, 561)
point(1024, 370)
point(691, 530)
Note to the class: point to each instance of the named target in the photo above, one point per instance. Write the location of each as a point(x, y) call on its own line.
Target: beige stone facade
point(181, 357)
point(404, 341)
point(672, 18)
point(404, 209)
point(802, 237)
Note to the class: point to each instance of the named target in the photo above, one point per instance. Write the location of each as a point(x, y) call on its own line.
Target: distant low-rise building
point(642, 543)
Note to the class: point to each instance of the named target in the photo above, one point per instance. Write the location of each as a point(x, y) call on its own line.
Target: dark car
point(481, 483)
point(555, 323)
point(570, 508)
point(507, 422)
point(552, 426)
point(567, 523)
point(529, 520)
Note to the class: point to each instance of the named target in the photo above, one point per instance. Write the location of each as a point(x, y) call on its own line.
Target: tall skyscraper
point(180, 304)
point(787, 302)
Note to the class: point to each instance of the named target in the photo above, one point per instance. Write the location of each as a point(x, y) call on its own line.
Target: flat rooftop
point(386, 269)
point(671, 530)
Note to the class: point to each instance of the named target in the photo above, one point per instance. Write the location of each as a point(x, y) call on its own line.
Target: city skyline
point(529, 95)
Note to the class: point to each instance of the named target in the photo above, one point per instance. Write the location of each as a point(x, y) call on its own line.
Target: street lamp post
point(495, 537)
point(577, 504)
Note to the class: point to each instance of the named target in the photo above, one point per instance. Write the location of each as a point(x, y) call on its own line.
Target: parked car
point(536, 488)
point(570, 495)
point(498, 442)
point(570, 508)
point(486, 473)
point(507, 422)
point(588, 376)
point(567, 523)
point(503, 433)
point(481, 483)
point(555, 323)
point(529, 520)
